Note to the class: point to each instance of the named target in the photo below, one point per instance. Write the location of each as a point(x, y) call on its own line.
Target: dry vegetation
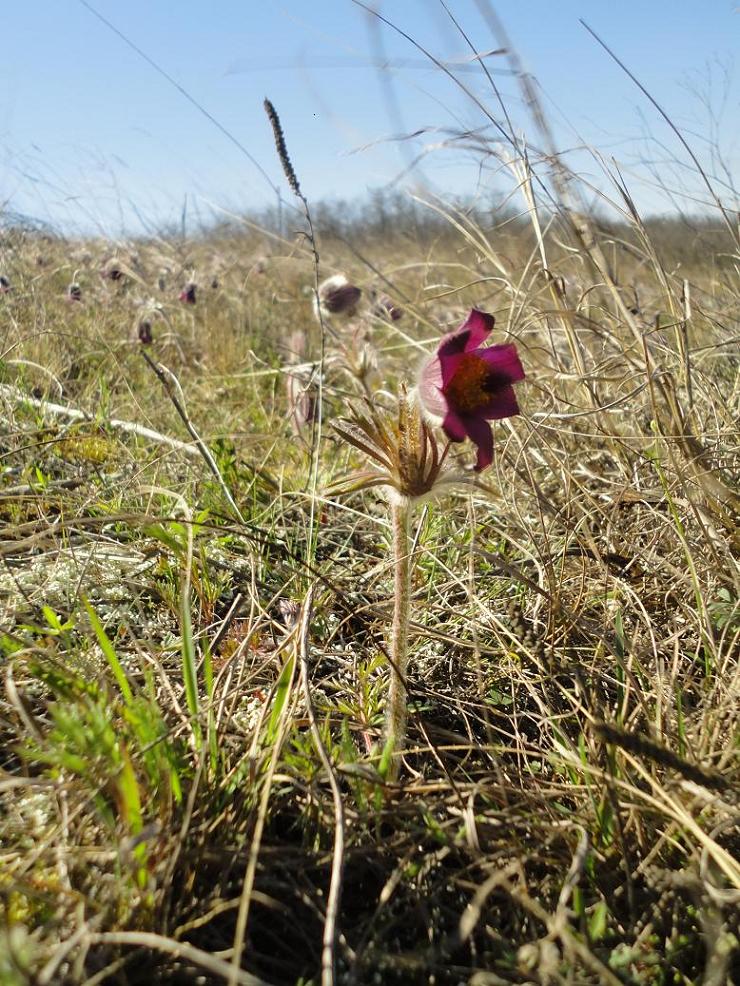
point(567, 811)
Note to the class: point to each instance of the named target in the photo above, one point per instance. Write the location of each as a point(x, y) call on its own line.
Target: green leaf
point(597, 922)
point(171, 536)
point(189, 669)
point(386, 758)
point(130, 799)
point(110, 655)
point(282, 690)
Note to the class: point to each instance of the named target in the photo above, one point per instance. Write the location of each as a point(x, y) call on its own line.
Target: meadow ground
point(196, 605)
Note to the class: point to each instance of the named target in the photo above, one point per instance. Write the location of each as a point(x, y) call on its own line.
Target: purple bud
point(145, 332)
point(337, 296)
point(113, 272)
point(385, 308)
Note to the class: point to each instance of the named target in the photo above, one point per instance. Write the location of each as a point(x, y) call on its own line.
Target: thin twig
point(684, 143)
point(212, 964)
point(292, 179)
point(74, 414)
point(174, 391)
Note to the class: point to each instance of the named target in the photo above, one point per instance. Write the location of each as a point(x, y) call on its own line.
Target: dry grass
point(194, 657)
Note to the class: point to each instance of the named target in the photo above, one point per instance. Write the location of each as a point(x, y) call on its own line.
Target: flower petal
point(478, 326)
point(440, 370)
point(429, 388)
point(479, 432)
point(449, 365)
point(503, 404)
point(503, 361)
point(455, 427)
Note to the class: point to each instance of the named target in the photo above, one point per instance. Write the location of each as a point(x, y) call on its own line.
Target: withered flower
point(302, 401)
point(362, 363)
point(301, 390)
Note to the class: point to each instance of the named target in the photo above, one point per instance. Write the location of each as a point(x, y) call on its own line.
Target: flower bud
point(187, 295)
point(338, 297)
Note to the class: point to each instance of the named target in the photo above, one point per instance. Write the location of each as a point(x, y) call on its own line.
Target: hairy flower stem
point(396, 713)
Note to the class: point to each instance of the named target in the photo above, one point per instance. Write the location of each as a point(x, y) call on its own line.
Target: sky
point(94, 138)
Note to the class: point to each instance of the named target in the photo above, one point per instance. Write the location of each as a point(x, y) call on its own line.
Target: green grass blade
point(282, 690)
point(189, 670)
point(110, 654)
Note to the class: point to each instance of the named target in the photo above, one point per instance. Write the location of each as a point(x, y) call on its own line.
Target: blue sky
point(93, 139)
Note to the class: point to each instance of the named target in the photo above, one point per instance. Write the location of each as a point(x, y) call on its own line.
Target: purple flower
point(467, 386)
point(112, 272)
point(337, 296)
point(145, 332)
point(385, 308)
point(188, 294)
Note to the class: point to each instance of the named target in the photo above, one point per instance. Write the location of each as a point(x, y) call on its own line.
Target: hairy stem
point(396, 714)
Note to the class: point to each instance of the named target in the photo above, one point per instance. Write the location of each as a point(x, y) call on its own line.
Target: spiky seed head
point(281, 147)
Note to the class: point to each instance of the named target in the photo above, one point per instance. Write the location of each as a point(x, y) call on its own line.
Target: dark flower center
point(472, 385)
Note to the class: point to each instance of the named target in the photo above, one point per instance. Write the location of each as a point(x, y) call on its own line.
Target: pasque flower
point(187, 295)
point(337, 297)
point(112, 271)
point(405, 457)
point(407, 462)
point(467, 385)
point(385, 307)
point(144, 332)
